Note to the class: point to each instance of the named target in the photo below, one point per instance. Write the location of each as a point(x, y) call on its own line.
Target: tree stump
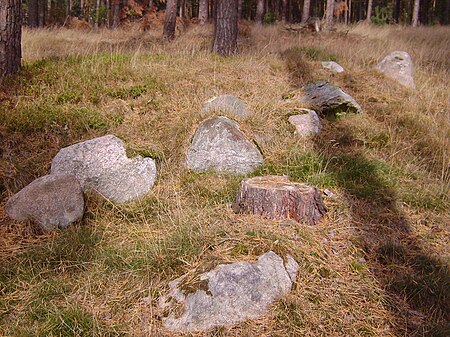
point(275, 197)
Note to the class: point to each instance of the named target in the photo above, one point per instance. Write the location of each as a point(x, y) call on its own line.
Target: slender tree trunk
point(259, 11)
point(10, 37)
point(68, 8)
point(226, 28)
point(284, 12)
point(115, 15)
point(33, 18)
point(97, 13)
point(240, 9)
point(306, 9)
point(346, 13)
point(150, 5)
point(49, 11)
point(183, 9)
point(170, 20)
point(42, 13)
point(415, 18)
point(203, 11)
point(329, 15)
point(396, 11)
point(369, 11)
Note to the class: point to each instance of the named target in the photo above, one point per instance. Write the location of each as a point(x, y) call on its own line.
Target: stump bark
point(275, 197)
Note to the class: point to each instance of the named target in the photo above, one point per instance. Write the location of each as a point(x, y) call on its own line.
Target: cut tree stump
point(275, 197)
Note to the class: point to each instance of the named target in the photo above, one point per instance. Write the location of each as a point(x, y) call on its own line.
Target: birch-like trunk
point(306, 9)
point(203, 11)
point(329, 15)
point(259, 12)
point(415, 18)
point(369, 11)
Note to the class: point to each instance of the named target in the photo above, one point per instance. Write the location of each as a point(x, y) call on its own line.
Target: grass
point(376, 266)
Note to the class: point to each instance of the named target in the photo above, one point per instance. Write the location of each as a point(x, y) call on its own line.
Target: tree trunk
point(306, 9)
point(170, 20)
point(68, 8)
point(259, 11)
point(33, 20)
point(203, 11)
point(277, 198)
point(226, 28)
point(349, 13)
point(10, 37)
point(369, 11)
point(329, 15)
point(42, 12)
point(284, 12)
point(415, 18)
point(97, 13)
point(183, 9)
point(240, 9)
point(115, 8)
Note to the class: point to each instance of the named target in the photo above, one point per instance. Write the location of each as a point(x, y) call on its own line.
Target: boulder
point(101, 164)
point(306, 124)
point(51, 201)
point(219, 145)
point(329, 99)
point(226, 104)
point(398, 66)
point(333, 67)
point(234, 293)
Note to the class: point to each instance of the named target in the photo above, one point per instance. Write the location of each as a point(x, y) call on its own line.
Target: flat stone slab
point(51, 201)
point(226, 104)
point(398, 66)
point(329, 99)
point(306, 124)
point(101, 164)
point(219, 145)
point(333, 67)
point(235, 292)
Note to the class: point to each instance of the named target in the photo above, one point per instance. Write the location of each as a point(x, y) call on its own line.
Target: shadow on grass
point(418, 285)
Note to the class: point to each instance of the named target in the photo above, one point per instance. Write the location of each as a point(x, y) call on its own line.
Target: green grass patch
point(316, 54)
point(70, 321)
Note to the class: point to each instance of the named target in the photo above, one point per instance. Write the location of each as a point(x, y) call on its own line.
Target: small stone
point(292, 267)
point(219, 145)
point(52, 201)
point(236, 292)
point(333, 67)
point(329, 99)
point(328, 193)
point(226, 104)
point(398, 66)
point(306, 124)
point(101, 164)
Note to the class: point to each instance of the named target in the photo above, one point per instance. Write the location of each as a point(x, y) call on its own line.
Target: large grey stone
point(227, 104)
point(219, 145)
point(306, 124)
point(333, 67)
point(329, 99)
point(101, 164)
point(235, 292)
point(52, 201)
point(398, 66)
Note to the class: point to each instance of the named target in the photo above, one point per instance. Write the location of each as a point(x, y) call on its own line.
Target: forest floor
point(378, 265)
